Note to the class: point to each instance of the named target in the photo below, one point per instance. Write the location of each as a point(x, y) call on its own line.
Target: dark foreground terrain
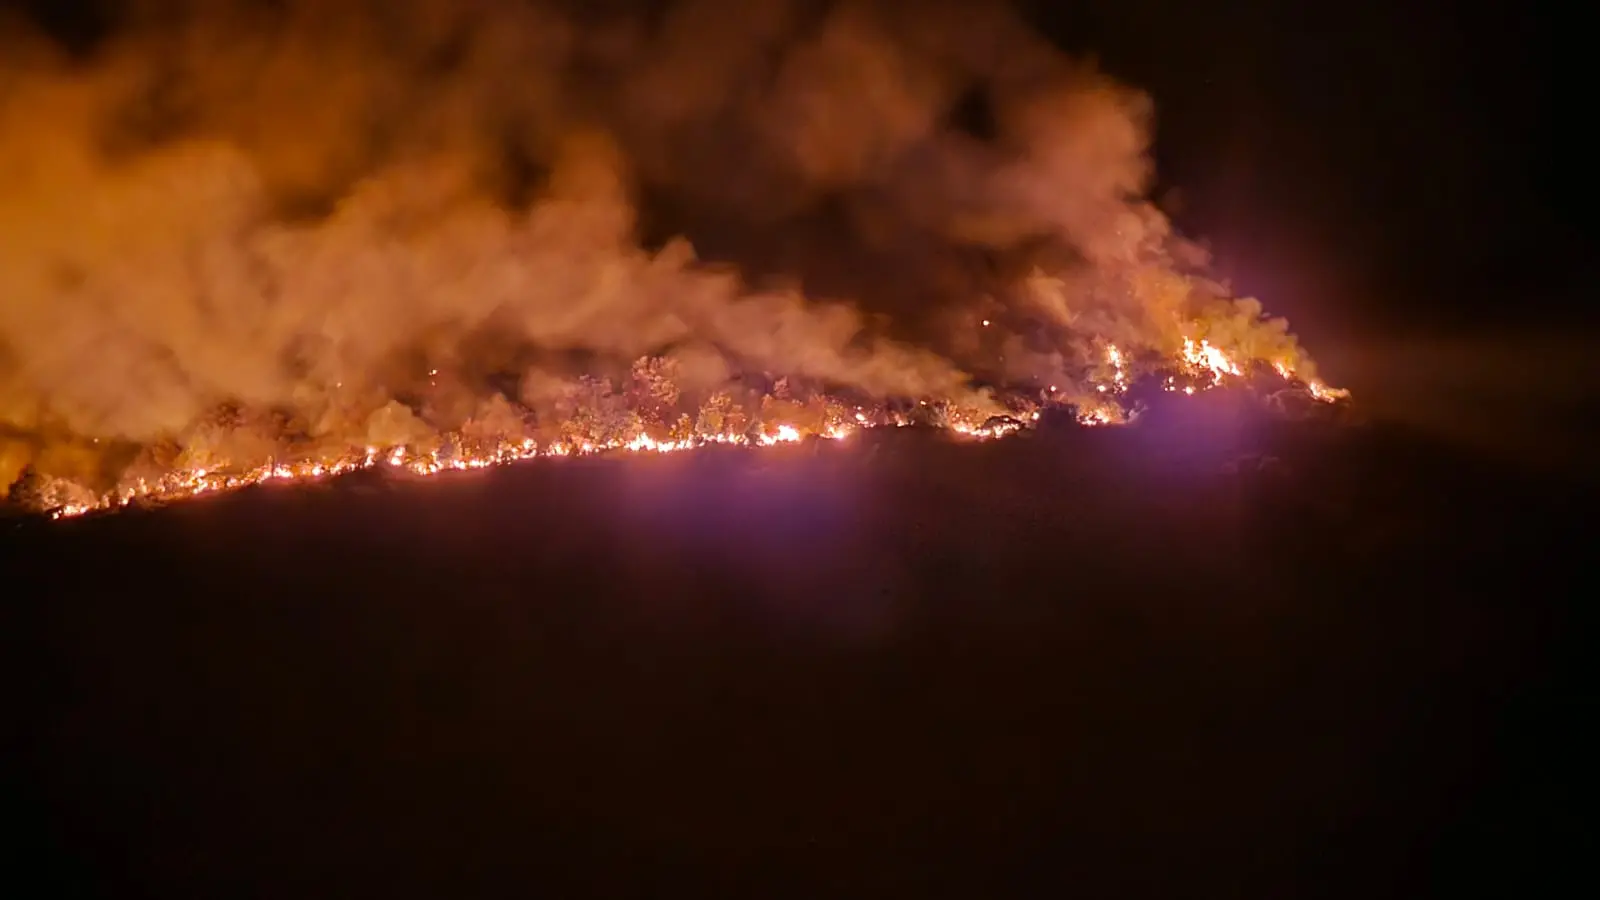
point(1079, 663)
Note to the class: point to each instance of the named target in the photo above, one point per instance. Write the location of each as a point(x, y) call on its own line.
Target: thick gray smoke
point(316, 208)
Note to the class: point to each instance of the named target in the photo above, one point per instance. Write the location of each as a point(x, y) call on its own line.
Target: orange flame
point(1200, 360)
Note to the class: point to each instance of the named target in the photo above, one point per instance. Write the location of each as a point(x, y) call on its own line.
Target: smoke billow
point(362, 222)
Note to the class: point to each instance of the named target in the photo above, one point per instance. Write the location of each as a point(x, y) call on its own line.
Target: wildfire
point(1326, 394)
point(1119, 376)
point(1100, 415)
point(182, 484)
point(1315, 388)
point(1201, 361)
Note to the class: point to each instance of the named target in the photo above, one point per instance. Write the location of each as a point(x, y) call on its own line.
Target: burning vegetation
point(441, 236)
point(234, 449)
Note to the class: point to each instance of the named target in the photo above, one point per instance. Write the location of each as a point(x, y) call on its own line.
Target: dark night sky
point(1365, 166)
point(1397, 161)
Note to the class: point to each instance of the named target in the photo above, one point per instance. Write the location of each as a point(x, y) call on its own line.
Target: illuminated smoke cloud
point(362, 223)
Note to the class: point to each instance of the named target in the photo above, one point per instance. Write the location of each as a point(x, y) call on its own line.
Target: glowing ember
point(1100, 416)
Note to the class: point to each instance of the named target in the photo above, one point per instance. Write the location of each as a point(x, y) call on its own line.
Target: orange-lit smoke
point(243, 231)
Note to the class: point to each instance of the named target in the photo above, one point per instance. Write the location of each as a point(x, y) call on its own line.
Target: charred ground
point(1205, 654)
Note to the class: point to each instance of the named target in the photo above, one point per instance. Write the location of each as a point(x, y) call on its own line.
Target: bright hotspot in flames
point(1201, 365)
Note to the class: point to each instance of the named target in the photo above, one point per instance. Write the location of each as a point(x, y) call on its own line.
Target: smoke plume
point(361, 222)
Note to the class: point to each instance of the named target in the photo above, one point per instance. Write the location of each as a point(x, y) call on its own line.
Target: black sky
point(1397, 161)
